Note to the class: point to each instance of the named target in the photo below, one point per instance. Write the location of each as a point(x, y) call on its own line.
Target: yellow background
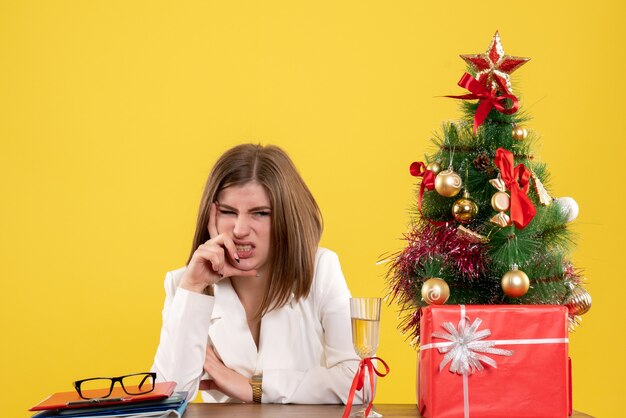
point(112, 113)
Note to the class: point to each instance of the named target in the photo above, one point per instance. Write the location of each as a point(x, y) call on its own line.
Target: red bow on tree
point(517, 181)
point(488, 99)
point(418, 169)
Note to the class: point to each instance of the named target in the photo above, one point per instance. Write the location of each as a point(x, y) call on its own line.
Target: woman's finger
point(214, 257)
point(210, 352)
point(215, 254)
point(230, 246)
point(221, 239)
point(225, 266)
point(230, 271)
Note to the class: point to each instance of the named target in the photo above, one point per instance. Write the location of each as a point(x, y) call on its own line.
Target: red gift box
point(494, 361)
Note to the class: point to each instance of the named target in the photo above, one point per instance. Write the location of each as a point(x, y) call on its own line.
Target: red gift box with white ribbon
point(494, 361)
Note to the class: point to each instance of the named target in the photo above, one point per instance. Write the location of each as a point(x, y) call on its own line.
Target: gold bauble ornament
point(435, 291)
point(519, 133)
point(448, 183)
point(435, 167)
point(465, 209)
point(500, 201)
point(515, 283)
point(579, 301)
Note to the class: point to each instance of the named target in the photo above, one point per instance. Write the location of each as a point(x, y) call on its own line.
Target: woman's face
point(244, 213)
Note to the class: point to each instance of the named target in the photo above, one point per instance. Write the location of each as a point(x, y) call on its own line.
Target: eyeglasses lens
point(136, 384)
point(95, 388)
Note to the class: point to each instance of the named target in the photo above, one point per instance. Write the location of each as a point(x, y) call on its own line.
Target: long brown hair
point(296, 221)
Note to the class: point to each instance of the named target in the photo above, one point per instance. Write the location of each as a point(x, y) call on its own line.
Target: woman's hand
point(213, 260)
point(226, 380)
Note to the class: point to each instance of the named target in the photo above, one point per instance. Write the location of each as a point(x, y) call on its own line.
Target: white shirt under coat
point(305, 350)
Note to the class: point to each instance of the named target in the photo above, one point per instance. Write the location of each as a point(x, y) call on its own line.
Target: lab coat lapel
point(229, 332)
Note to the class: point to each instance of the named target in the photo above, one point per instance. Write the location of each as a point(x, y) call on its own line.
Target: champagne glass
point(365, 314)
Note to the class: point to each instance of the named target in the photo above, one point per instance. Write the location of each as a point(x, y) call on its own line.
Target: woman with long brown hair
point(259, 313)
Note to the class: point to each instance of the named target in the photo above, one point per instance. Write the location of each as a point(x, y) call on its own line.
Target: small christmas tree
point(485, 229)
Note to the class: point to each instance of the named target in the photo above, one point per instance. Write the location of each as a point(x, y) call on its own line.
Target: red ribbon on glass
point(488, 99)
point(517, 181)
point(418, 169)
point(359, 382)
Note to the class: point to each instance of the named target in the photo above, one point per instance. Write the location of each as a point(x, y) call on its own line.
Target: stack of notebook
point(162, 402)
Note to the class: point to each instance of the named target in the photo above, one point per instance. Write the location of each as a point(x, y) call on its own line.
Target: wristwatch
point(256, 382)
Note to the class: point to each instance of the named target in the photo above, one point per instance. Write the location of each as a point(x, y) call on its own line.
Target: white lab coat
point(305, 348)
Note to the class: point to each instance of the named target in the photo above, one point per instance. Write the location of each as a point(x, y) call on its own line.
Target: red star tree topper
point(493, 67)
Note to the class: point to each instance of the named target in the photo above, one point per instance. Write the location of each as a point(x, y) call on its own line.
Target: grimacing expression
point(245, 214)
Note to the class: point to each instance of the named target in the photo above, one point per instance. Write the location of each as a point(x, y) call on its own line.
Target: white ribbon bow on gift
point(466, 347)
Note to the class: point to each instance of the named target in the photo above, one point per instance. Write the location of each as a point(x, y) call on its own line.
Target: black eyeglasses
point(102, 387)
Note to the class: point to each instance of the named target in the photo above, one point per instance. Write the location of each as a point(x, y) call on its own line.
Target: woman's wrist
point(194, 286)
point(256, 383)
point(202, 288)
